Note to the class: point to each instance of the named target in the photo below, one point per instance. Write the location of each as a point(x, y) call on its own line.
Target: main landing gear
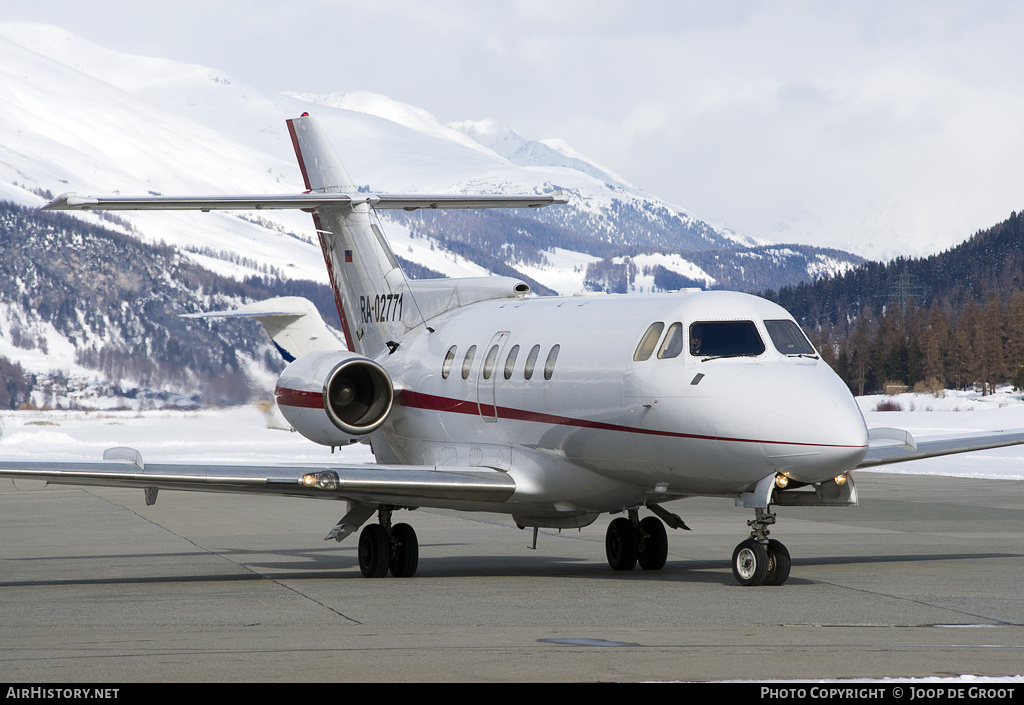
point(760, 560)
point(384, 548)
point(630, 541)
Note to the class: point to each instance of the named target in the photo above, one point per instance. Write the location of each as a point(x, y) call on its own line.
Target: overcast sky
point(847, 123)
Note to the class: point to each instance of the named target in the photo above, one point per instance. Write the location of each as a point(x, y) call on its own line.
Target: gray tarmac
point(922, 579)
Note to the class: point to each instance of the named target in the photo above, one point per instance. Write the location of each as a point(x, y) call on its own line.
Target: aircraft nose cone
point(813, 429)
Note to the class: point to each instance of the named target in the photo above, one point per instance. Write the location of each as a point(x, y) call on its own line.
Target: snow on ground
point(427, 252)
point(563, 271)
point(51, 351)
point(234, 435)
point(823, 265)
point(675, 263)
point(241, 434)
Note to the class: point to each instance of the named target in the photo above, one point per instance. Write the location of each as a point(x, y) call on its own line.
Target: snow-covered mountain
point(79, 117)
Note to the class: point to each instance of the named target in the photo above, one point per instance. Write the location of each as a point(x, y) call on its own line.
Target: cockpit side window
point(673, 344)
point(788, 338)
point(710, 339)
point(648, 342)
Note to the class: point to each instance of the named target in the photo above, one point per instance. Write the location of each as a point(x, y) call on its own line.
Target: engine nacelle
point(335, 397)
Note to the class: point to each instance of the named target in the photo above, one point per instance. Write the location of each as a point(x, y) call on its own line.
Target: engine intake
point(358, 396)
point(335, 397)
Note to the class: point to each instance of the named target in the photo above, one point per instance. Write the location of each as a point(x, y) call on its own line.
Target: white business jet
point(554, 410)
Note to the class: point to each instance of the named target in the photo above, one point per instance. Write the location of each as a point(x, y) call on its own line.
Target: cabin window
point(549, 364)
point(673, 344)
point(711, 339)
point(648, 342)
point(449, 359)
point(531, 362)
point(467, 364)
point(510, 361)
point(489, 361)
point(788, 338)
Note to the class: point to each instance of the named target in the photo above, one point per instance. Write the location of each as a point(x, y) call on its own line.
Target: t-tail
point(370, 288)
point(377, 304)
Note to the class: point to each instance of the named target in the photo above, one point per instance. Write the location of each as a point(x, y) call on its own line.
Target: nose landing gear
point(760, 560)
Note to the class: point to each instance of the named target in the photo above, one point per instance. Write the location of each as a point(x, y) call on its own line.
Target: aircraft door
point(487, 377)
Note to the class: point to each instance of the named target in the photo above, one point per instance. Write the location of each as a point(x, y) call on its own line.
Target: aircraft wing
point(909, 449)
point(304, 201)
point(417, 485)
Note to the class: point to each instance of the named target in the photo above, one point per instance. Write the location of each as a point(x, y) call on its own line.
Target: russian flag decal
point(348, 255)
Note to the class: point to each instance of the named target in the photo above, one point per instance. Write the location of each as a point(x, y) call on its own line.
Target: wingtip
point(60, 203)
point(69, 201)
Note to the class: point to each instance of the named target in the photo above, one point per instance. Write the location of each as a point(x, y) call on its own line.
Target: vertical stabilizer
point(321, 169)
point(370, 289)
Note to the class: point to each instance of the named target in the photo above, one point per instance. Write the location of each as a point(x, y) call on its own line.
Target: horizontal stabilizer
point(292, 322)
point(302, 201)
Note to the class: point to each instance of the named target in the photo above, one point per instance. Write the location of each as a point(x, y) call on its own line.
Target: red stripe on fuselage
point(430, 402)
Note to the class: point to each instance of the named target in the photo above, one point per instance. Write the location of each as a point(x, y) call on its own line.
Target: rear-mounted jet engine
point(335, 397)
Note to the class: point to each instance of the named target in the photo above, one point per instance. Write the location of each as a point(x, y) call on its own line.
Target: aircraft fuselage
point(679, 422)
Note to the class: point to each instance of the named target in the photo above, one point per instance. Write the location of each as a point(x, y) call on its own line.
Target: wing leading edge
point(909, 449)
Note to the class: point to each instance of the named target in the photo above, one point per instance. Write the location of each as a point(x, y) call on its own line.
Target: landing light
point(839, 480)
point(781, 481)
point(320, 480)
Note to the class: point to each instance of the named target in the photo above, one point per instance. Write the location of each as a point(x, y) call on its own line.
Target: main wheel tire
point(750, 563)
point(374, 551)
point(779, 563)
point(620, 544)
point(652, 548)
point(405, 551)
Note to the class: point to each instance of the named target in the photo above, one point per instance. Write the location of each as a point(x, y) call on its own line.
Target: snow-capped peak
point(382, 106)
point(507, 143)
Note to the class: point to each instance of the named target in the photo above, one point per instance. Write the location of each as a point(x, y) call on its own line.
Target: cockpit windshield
point(712, 339)
point(788, 338)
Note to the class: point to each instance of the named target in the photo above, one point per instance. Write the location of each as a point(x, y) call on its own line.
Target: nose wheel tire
point(373, 551)
point(750, 563)
point(779, 563)
point(620, 544)
point(652, 549)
